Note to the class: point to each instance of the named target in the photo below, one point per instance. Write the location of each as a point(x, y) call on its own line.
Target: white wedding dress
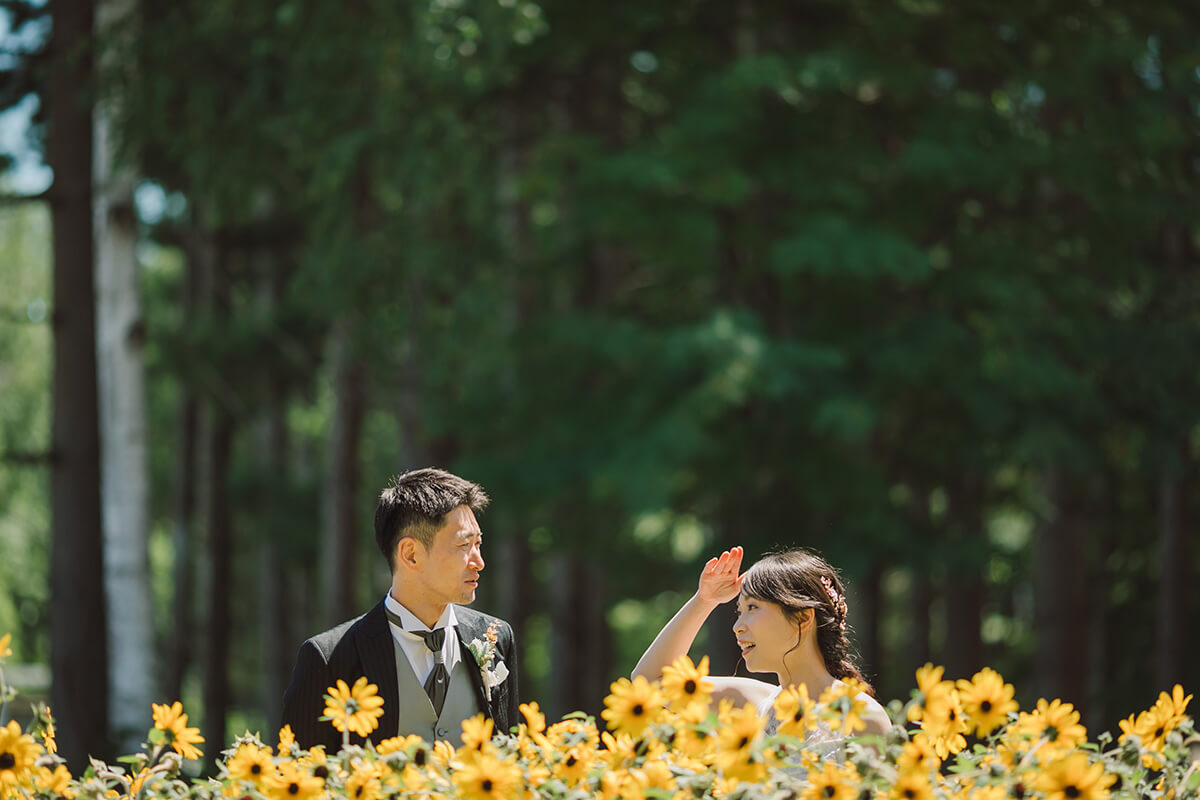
point(824, 742)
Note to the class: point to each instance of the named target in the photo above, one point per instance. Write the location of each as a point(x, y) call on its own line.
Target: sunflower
point(572, 731)
point(489, 778)
point(1055, 724)
point(1074, 778)
point(364, 784)
point(986, 700)
point(943, 723)
point(831, 781)
point(573, 765)
point(1176, 703)
point(291, 782)
point(928, 677)
point(793, 709)
point(843, 707)
point(250, 763)
point(740, 728)
point(56, 782)
point(287, 739)
point(633, 705)
point(356, 709)
point(656, 775)
point(684, 683)
point(5, 651)
point(476, 733)
point(918, 755)
point(173, 723)
point(397, 743)
point(534, 717)
point(912, 786)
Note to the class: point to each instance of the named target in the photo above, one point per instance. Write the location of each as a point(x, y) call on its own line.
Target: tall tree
point(78, 646)
point(120, 342)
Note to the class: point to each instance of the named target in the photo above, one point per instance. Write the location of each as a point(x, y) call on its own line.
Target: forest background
point(909, 282)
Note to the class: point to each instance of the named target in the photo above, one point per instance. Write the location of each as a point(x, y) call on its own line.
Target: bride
point(791, 622)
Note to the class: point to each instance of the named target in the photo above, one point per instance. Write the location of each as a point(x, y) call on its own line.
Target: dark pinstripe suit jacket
point(363, 646)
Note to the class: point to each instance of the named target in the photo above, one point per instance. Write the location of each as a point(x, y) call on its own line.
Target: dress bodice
point(824, 742)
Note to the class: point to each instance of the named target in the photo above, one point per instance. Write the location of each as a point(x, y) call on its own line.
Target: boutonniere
point(491, 669)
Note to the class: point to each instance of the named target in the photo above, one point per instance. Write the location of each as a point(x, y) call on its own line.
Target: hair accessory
point(837, 601)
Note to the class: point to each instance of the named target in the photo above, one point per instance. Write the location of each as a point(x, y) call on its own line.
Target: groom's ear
point(408, 551)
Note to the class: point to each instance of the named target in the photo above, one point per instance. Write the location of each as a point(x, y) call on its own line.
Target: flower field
point(953, 740)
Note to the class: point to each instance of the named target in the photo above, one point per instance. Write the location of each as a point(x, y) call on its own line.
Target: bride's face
point(765, 634)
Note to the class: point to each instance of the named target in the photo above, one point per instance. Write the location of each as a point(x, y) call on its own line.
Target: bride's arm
point(720, 582)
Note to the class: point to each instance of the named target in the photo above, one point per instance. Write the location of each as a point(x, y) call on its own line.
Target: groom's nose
point(476, 559)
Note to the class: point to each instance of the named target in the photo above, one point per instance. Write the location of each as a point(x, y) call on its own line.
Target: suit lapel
point(373, 639)
point(468, 629)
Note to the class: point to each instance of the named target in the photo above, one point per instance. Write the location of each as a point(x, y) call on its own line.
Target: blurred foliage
point(666, 277)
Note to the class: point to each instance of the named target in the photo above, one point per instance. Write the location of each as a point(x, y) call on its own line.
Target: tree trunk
point(870, 604)
point(964, 585)
point(218, 435)
point(78, 648)
point(341, 494)
point(179, 646)
point(580, 647)
point(120, 335)
point(922, 621)
point(1172, 602)
point(1060, 597)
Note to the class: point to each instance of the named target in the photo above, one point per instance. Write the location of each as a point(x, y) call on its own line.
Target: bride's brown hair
point(799, 579)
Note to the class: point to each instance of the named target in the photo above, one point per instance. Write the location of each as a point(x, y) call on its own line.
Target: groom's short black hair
point(416, 504)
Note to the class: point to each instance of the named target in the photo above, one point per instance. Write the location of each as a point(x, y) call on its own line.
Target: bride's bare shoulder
point(742, 690)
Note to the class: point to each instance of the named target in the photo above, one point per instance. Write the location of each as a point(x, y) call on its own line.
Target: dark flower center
point(985, 706)
point(572, 761)
point(1158, 733)
point(256, 769)
point(321, 771)
point(953, 715)
point(1051, 733)
point(7, 760)
point(689, 687)
point(486, 785)
point(910, 793)
point(293, 788)
point(1071, 791)
point(745, 741)
point(1018, 791)
point(358, 790)
point(638, 710)
point(799, 715)
point(420, 757)
point(829, 791)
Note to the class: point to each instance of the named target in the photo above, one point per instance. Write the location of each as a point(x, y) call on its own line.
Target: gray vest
point(416, 711)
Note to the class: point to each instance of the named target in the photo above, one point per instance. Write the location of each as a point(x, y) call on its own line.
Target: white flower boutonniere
point(491, 669)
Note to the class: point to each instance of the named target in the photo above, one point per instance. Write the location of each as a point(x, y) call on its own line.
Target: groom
point(414, 644)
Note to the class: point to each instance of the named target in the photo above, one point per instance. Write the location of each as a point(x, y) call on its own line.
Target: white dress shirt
point(419, 656)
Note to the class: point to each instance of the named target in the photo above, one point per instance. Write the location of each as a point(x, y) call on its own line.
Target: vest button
point(442, 733)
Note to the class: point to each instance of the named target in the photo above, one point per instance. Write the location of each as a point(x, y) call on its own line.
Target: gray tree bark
point(120, 337)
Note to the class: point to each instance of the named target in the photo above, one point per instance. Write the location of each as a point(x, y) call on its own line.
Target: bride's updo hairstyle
point(796, 580)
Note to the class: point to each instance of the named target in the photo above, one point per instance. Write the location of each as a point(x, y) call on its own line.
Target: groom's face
point(449, 572)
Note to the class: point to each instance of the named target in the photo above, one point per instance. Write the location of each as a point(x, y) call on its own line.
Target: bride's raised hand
point(721, 579)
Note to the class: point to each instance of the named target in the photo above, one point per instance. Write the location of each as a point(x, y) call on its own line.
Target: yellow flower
point(912, 786)
point(5, 652)
point(397, 743)
point(173, 722)
point(574, 764)
point(534, 718)
point(633, 705)
point(290, 782)
point(476, 733)
point(1176, 703)
point(251, 763)
point(57, 783)
point(943, 722)
point(48, 740)
point(740, 730)
point(1055, 724)
point(287, 739)
point(489, 778)
point(356, 709)
point(842, 706)
point(986, 700)
point(793, 709)
point(364, 784)
point(684, 683)
point(656, 775)
point(831, 781)
point(918, 755)
point(928, 677)
point(1074, 778)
